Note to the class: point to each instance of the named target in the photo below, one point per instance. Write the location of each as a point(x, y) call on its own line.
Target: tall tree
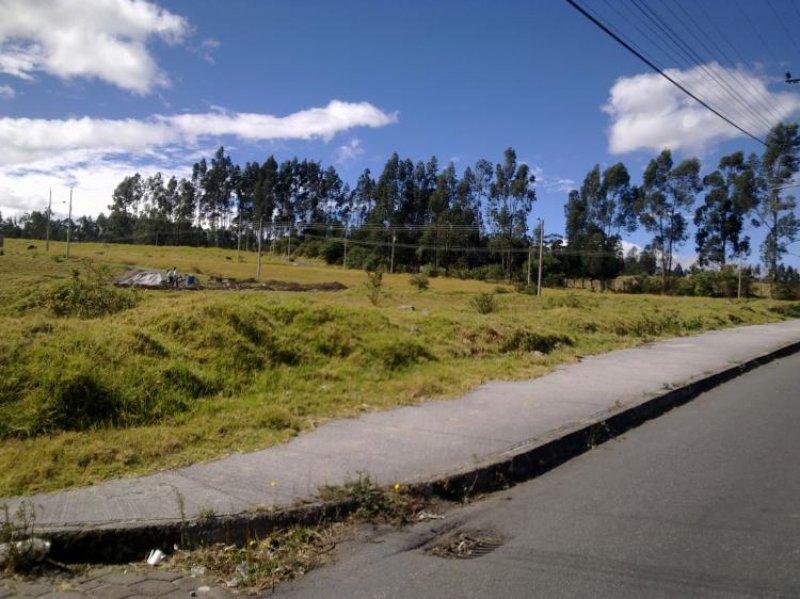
point(125, 204)
point(511, 200)
point(668, 193)
point(731, 196)
point(779, 164)
point(218, 187)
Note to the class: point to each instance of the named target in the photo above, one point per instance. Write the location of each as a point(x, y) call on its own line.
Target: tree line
point(417, 215)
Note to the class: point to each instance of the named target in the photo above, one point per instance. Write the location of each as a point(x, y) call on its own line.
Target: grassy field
point(97, 382)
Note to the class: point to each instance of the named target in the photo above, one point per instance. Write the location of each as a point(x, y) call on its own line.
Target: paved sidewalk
point(114, 583)
point(418, 443)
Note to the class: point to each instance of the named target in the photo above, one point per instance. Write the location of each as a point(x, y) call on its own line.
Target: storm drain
point(465, 545)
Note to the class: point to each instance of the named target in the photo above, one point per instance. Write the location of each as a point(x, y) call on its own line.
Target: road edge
point(131, 542)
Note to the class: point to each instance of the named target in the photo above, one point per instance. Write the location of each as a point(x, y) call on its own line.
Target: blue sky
point(93, 90)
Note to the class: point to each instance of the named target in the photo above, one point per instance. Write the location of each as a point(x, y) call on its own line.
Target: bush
point(374, 286)
point(490, 272)
point(88, 294)
point(785, 291)
point(332, 251)
point(430, 271)
point(484, 303)
point(420, 281)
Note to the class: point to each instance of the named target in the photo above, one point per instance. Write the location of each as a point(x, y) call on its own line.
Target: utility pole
point(260, 235)
point(541, 249)
point(344, 260)
point(391, 263)
point(239, 233)
point(49, 205)
point(530, 257)
point(739, 291)
point(69, 220)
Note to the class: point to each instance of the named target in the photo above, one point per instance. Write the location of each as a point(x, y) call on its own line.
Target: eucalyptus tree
point(731, 195)
point(668, 193)
point(776, 209)
point(511, 198)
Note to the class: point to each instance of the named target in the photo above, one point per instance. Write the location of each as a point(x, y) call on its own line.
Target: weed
point(528, 341)
point(373, 502)
point(16, 537)
point(420, 281)
point(290, 552)
point(87, 294)
point(207, 513)
point(374, 286)
point(484, 303)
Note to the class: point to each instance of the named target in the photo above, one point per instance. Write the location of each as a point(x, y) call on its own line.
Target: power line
point(698, 60)
point(624, 44)
point(658, 29)
point(756, 93)
point(745, 84)
point(783, 25)
point(756, 31)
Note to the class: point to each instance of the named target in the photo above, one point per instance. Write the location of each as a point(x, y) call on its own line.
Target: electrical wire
point(757, 94)
point(660, 29)
point(698, 60)
point(649, 63)
point(783, 26)
point(756, 32)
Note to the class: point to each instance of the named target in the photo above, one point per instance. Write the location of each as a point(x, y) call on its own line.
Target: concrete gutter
point(580, 406)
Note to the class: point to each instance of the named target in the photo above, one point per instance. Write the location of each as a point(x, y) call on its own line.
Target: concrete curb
point(109, 544)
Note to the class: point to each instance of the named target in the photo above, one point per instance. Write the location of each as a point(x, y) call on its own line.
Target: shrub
point(332, 251)
point(430, 271)
point(374, 286)
point(420, 281)
point(88, 294)
point(484, 303)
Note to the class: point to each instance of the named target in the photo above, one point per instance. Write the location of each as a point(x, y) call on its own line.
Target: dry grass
point(189, 376)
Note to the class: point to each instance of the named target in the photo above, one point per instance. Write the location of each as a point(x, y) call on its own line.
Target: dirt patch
point(216, 282)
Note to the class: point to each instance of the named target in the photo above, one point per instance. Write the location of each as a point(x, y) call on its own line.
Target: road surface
point(702, 502)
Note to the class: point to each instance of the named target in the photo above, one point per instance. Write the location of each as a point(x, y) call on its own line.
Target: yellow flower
point(396, 486)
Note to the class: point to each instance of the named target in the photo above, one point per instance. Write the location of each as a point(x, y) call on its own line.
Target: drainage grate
point(465, 545)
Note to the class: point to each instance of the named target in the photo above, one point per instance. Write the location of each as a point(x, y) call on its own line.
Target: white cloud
point(23, 140)
point(207, 48)
point(649, 113)
point(349, 151)
point(550, 183)
point(7, 92)
point(104, 39)
point(324, 122)
point(95, 154)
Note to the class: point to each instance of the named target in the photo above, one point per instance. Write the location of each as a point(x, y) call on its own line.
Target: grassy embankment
point(96, 382)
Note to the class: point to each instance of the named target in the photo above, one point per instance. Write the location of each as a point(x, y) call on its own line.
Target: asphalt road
point(702, 502)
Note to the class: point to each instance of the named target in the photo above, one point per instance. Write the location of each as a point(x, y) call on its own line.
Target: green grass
point(97, 382)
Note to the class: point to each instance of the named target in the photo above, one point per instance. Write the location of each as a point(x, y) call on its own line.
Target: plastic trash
point(198, 571)
point(27, 551)
point(155, 557)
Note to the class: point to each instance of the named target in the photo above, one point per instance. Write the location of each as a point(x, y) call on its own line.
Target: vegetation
point(288, 553)
point(417, 215)
point(130, 382)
